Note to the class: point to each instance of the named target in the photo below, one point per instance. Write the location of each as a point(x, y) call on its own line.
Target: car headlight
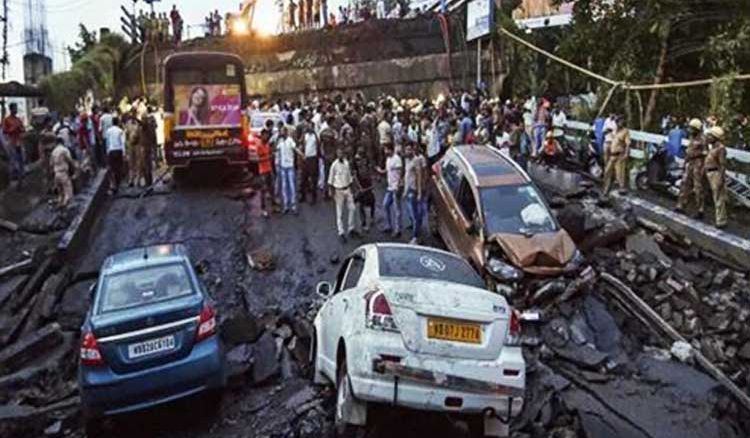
point(503, 271)
point(575, 262)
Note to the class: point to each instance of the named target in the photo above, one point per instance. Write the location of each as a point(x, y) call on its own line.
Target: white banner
point(479, 17)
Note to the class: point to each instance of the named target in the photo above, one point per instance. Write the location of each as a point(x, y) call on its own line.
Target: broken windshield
point(516, 209)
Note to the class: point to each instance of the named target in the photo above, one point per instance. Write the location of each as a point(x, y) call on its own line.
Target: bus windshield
point(207, 97)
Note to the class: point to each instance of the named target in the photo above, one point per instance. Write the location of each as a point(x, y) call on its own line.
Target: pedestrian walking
point(287, 148)
point(340, 181)
point(63, 168)
point(692, 179)
point(329, 145)
point(14, 130)
point(617, 157)
point(414, 166)
point(365, 196)
point(133, 139)
point(394, 169)
point(716, 170)
point(114, 139)
point(147, 145)
point(265, 171)
point(310, 166)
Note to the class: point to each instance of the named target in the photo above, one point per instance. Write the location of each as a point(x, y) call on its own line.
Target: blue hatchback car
point(150, 336)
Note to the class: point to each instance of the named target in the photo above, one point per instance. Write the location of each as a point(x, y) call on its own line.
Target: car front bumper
point(433, 383)
point(104, 392)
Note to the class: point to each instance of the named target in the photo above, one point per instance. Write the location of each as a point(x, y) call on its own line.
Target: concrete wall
point(399, 57)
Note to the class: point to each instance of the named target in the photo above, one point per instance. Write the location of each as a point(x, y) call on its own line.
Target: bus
point(204, 105)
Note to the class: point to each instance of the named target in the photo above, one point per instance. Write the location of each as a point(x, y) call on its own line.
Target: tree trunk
point(659, 78)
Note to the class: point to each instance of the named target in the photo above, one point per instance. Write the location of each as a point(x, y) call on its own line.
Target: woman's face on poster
point(198, 98)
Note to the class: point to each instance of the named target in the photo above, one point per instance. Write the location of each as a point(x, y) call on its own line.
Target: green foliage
point(726, 98)
point(95, 68)
point(623, 40)
point(87, 41)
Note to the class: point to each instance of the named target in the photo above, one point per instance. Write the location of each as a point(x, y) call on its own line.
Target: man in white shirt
point(385, 134)
point(414, 184)
point(394, 169)
point(286, 149)
point(310, 166)
point(380, 9)
point(114, 140)
point(340, 180)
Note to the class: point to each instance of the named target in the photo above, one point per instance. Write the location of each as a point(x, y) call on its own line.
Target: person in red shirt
point(13, 131)
point(265, 170)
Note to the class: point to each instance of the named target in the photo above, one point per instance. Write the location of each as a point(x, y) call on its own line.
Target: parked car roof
point(144, 256)
point(491, 168)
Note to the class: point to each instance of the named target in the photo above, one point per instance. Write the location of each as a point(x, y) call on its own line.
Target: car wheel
point(344, 395)
point(94, 428)
point(641, 181)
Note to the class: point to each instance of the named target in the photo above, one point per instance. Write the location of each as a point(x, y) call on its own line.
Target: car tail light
point(90, 353)
point(206, 323)
point(514, 329)
point(378, 312)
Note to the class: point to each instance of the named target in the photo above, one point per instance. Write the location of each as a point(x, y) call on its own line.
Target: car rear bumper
point(104, 392)
point(433, 383)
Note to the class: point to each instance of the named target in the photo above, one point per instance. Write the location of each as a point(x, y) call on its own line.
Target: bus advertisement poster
point(208, 106)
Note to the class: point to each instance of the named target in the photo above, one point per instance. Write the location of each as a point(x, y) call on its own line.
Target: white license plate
point(151, 346)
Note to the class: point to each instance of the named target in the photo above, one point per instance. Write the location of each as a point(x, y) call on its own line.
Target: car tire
point(476, 427)
point(343, 429)
point(94, 428)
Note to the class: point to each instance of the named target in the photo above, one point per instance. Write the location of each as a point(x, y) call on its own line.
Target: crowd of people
point(158, 27)
point(339, 147)
point(313, 14)
point(128, 138)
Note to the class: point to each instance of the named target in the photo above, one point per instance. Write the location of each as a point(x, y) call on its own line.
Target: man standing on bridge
point(692, 180)
point(617, 161)
point(716, 170)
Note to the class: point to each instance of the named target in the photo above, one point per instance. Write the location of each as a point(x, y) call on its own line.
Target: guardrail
point(647, 137)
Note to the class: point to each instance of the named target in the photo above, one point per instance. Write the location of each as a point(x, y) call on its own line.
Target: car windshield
point(413, 263)
point(144, 286)
point(516, 209)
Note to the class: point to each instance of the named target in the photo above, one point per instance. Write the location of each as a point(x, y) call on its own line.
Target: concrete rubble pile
point(38, 350)
point(595, 370)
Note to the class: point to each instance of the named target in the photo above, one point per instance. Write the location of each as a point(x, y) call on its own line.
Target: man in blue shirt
point(674, 141)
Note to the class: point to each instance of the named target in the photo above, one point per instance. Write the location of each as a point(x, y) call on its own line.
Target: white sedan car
point(413, 327)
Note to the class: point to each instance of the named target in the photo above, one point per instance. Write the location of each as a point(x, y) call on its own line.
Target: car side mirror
point(324, 289)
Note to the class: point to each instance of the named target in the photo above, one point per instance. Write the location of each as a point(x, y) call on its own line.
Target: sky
point(63, 17)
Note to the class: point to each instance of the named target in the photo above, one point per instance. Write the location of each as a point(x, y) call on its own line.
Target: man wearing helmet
point(716, 168)
point(692, 180)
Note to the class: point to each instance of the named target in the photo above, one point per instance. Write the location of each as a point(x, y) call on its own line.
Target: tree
point(86, 43)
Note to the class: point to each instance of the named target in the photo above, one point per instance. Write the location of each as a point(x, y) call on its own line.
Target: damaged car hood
point(540, 254)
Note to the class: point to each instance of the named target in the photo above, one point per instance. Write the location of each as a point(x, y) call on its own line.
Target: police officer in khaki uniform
point(716, 169)
point(62, 167)
point(617, 157)
point(692, 180)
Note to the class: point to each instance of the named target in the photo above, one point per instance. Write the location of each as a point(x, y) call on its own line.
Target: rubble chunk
point(240, 329)
point(266, 363)
point(11, 287)
point(642, 244)
point(28, 348)
point(239, 362)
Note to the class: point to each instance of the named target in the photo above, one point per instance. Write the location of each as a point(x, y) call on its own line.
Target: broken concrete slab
point(642, 244)
point(266, 359)
point(74, 304)
point(29, 348)
point(239, 362)
point(11, 287)
point(46, 365)
point(722, 244)
point(17, 268)
point(33, 285)
point(609, 234)
point(241, 328)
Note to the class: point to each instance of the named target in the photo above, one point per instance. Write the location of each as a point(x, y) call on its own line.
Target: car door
point(447, 185)
point(470, 231)
point(343, 298)
point(327, 342)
